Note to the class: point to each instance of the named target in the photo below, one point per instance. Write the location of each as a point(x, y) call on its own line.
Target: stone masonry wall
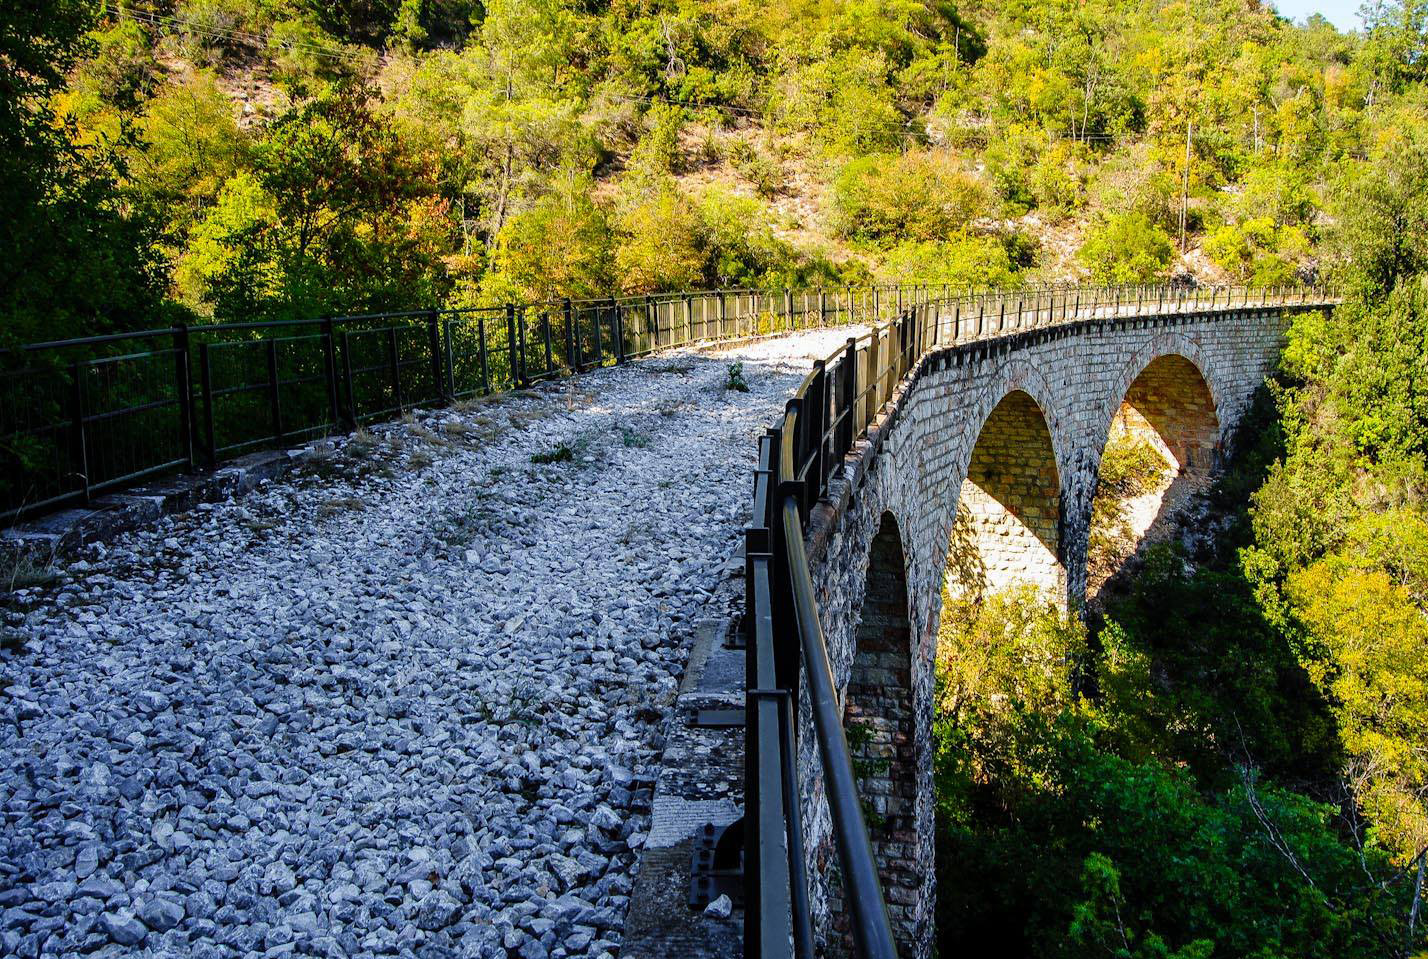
point(1170, 405)
point(914, 463)
point(1011, 499)
point(878, 717)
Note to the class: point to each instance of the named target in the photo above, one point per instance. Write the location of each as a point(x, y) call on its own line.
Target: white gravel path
point(409, 702)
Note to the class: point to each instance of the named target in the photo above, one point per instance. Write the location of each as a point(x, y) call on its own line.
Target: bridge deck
point(409, 700)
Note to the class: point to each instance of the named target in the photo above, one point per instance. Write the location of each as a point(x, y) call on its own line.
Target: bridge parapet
point(857, 498)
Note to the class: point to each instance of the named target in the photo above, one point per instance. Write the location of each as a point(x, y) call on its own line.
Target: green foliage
point(123, 70)
point(1130, 467)
point(962, 261)
point(334, 219)
point(734, 378)
point(75, 256)
point(1364, 611)
point(1126, 248)
point(1256, 251)
point(1065, 845)
point(661, 244)
point(190, 145)
point(910, 196)
point(757, 167)
point(1382, 217)
point(562, 453)
point(559, 247)
point(743, 249)
point(844, 102)
point(657, 153)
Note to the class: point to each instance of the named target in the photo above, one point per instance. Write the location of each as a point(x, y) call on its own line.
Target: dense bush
point(1126, 248)
point(908, 196)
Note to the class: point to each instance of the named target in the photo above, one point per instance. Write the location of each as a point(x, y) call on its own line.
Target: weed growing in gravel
point(735, 378)
point(420, 432)
point(461, 527)
point(340, 504)
point(520, 707)
point(633, 439)
point(561, 454)
point(360, 444)
point(24, 572)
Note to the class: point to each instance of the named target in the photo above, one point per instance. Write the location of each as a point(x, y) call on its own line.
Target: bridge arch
point(1163, 406)
point(923, 446)
point(879, 721)
point(1006, 491)
point(1007, 527)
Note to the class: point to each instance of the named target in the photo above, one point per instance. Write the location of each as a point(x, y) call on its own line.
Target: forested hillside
point(262, 158)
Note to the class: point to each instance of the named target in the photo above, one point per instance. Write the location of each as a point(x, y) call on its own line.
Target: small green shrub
point(914, 196)
point(1127, 248)
point(735, 378)
point(758, 168)
point(1130, 466)
point(563, 453)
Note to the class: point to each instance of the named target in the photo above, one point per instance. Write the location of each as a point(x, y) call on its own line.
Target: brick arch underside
point(1008, 524)
point(879, 719)
point(1170, 406)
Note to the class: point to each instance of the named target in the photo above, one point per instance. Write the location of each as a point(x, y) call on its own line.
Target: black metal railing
point(787, 657)
point(85, 416)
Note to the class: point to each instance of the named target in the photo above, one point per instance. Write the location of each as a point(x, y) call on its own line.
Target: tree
point(1126, 248)
point(1382, 233)
point(559, 247)
point(661, 244)
point(189, 146)
point(909, 196)
point(332, 220)
point(75, 256)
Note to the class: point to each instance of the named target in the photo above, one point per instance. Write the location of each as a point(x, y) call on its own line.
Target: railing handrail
point(796, 462)
point(67, 432)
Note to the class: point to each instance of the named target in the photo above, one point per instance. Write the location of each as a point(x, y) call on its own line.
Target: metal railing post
point(183, 392)
point(599, 340)
point(77, 421)
point(275, 402)
point(347, 378)
point(438, 381)
point(576, 361)
point(485, 354)
point(513, 352)
point(205, 379)
point(549, 353)
point(619, 332)
point(329, 370)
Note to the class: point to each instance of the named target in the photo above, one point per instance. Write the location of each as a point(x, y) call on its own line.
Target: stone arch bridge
point(985, 460)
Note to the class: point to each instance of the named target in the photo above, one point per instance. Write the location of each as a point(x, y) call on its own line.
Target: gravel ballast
point(407, 701)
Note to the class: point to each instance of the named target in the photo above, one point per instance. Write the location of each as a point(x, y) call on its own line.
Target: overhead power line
point(895, 130)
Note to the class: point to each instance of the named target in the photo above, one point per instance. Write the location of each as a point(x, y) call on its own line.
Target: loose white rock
point(416, 693)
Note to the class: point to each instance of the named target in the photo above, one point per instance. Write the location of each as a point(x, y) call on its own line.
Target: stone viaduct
point(986, 458)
